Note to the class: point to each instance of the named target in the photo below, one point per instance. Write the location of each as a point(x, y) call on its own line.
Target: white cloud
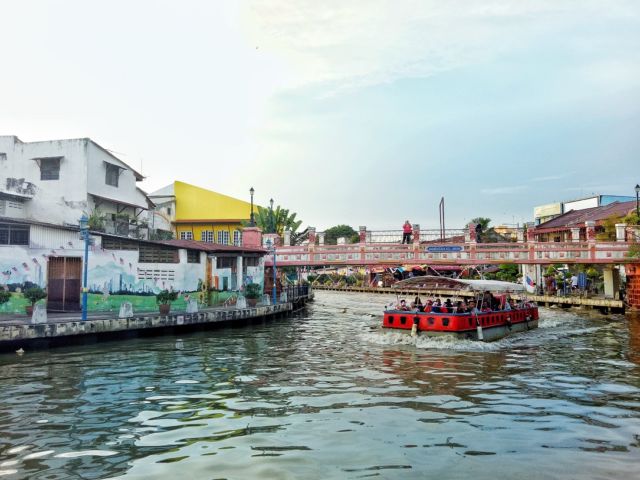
point(504, 190)
point(352, 44)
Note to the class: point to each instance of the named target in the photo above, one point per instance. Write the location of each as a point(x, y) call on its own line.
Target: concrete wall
point(82, 172)
point(54, 201)
point(111, 272)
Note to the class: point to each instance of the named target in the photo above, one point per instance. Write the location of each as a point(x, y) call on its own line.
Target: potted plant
point(164, 299)
point(33, 294)
point(252, 292)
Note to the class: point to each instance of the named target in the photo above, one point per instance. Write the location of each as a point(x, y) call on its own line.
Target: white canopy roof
point(429, 282)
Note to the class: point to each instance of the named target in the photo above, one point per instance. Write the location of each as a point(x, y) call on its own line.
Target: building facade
point(544, 213)
point(119, 268)
point(58, 181)
point(194, 213)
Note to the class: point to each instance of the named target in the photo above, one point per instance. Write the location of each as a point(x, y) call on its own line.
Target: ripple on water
point(327, 394)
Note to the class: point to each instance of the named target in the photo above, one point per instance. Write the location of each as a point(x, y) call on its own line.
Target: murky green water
point(324, 396)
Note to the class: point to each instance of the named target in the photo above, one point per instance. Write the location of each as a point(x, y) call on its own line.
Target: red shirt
point(406, 228)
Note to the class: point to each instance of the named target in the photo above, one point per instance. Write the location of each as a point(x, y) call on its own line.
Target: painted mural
point(114, 276)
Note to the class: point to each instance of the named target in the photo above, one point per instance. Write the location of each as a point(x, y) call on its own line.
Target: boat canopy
point(430, 282)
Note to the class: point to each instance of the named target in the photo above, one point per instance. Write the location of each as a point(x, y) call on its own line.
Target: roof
point(209, 247)
point(595, 214)
point(430, 282)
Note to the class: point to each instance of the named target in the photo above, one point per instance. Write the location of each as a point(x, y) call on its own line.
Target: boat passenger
point(447, 303)
point(472, 307)
point(403, 305)
point(460, 308)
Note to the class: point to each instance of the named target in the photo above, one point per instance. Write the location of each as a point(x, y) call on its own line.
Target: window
point(110, 243)
point(193, 256)
point(14, 234)
point(225, 262)
point(157, 254)
point(252, 261)
point(113, 174)
point(50, 168)
point(206, 236)
point(237, 238)
point(223, 238)
point(168, 210)
point(186, 235)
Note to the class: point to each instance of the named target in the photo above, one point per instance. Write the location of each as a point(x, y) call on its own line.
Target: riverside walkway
point(63, 329)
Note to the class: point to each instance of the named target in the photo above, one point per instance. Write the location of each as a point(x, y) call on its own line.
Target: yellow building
point(194, 213)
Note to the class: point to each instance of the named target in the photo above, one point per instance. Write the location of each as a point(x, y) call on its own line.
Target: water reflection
point(329, 395)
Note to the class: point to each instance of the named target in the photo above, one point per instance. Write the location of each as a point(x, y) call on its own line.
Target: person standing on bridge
point(406, 232)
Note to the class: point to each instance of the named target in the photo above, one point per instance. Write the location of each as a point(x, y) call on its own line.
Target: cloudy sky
point(359, 112)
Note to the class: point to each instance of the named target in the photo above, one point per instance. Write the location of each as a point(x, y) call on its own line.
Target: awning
point(430, 282)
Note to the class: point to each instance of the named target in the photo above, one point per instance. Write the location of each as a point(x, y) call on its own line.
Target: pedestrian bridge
point(454, 248)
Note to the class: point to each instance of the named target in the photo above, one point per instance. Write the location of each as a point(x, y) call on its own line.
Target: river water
point(326, 395)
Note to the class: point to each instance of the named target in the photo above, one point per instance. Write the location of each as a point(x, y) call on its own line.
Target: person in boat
point(447, 303)
point(417, 303)
point(460, 308)
point(472, 307)
point(403, 305)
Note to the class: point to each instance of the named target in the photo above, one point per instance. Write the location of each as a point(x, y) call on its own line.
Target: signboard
point(548, 210)
point(442, 249)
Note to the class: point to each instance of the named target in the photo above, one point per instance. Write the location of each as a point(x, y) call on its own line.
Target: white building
point(56, 181)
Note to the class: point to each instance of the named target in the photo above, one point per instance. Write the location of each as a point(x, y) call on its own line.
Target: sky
point(346, 112)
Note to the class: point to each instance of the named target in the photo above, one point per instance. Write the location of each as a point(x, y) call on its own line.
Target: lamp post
point(271, 248)
point(84, 235)
point(252, 221)
point(637, 202)
point(273, 220)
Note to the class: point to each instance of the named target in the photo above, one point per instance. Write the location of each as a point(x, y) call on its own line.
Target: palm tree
point(276, 220)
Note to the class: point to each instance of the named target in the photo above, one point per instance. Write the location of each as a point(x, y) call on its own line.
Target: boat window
point(471, 322)
point(445, 322)
point(403, 320)
point(390, 318)
point(431, 320)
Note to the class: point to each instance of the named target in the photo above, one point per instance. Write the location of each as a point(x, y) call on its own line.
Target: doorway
point(64, 284)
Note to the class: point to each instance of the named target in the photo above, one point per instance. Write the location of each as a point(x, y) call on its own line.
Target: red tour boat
point(482, 309)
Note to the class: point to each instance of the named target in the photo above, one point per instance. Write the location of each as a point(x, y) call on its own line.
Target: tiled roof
point(574, 218)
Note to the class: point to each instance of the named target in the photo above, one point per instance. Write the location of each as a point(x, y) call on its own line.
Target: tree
point(332, 234)
point(483, 221)
point(276, 220)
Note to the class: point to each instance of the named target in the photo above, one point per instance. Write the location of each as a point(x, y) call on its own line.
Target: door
point(64, 284)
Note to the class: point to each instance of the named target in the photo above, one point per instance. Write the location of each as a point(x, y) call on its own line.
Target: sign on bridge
point(443, 249)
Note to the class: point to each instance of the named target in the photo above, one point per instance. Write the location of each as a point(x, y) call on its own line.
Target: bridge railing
point(431, 235)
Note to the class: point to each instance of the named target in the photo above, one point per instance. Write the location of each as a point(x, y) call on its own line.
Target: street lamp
point(637, 203)
point(272, 219)
point(271, 248)
point(252, 222)
point(84, 235)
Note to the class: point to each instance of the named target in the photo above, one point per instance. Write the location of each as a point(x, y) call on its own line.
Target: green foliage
point(5, 296)
point(592, 273)
point(160, 235)
point(252, 290)
point(165, 297)
point(482, 221)
point(96, 221)
point(632, 218)
point(332, 234)
point(34, 294)
point(607, 229)
point(508, 272)
point(275, 220)
point(634, 250)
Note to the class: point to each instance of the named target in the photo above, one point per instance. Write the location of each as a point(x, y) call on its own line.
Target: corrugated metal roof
point(575, 218)
point(209, 247)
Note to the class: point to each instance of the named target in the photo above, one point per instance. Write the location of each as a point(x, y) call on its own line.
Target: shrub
point(5, 296)
point(252, 290)
point(34, 294)
point(165, 297)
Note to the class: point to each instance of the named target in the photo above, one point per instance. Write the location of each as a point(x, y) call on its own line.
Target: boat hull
point(487, 326)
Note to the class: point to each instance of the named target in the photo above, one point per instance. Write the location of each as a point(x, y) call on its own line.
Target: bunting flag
point(61, 247)
point(7, 273)
point(44, 255)
point(70, 244)
point(26, 267)
point(130, 266)
point(121, 261)
point(113, 255)
point(14, 269)
point(35, 260)
point(53, 252)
